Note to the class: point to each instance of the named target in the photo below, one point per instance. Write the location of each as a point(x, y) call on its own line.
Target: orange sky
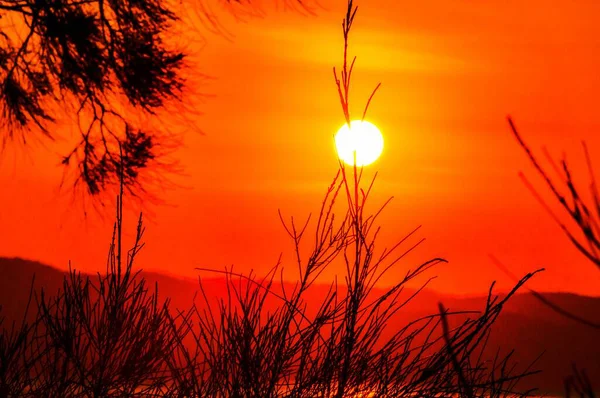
point(450, 73)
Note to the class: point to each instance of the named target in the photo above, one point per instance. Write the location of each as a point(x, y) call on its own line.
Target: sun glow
point(362, 139)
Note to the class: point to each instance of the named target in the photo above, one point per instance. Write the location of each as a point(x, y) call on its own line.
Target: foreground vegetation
point(111, 335)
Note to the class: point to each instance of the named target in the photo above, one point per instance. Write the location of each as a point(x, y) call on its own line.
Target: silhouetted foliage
point(585, 235)
point(19, 354)
point(97, 61)
point(94, 58)
point(585, 215)
point(113, 337)
point(264, 340)
point(343, 348)
point(108, 337)
point(579, 385)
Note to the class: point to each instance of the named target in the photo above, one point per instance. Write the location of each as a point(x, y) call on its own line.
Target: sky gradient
point(450, 71)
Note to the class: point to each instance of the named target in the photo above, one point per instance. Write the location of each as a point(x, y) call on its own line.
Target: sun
point(363, 139)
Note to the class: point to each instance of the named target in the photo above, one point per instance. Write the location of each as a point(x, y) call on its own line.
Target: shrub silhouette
point(584, 213)
point(19, 354)
point(584, 235)
point(111, 336)
point(254, 348)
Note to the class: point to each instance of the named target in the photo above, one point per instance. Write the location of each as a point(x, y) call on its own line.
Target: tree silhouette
point(99, 61)
point(89, 56)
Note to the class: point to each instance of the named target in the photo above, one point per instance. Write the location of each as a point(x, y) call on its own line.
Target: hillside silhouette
point(525, 324)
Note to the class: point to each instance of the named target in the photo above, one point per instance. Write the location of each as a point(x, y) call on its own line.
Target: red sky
point(450, 73)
